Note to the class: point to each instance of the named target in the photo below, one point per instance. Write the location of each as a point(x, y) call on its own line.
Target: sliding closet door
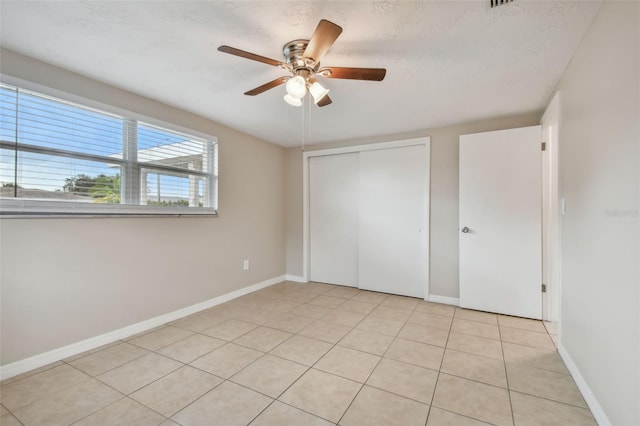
point(333, 219)
point(393, 220)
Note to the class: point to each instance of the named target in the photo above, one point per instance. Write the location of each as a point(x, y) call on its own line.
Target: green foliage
point(10, 185)
point(106, 189)
point(79, 184)
point(181, 203)
point(103, 188)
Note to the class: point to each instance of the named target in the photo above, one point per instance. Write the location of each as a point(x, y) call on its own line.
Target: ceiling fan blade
point(270, 85)
point(249, 55)
point(372, 74)
point(326, 100)
point(322, 39)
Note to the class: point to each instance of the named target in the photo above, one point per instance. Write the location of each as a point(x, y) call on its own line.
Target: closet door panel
point(393, 220)
point(333, 219)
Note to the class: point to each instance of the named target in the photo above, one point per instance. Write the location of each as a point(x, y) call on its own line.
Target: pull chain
point(304, 107)
point(306, 119)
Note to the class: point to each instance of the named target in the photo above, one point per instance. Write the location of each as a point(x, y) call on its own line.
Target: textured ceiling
point(447, 61)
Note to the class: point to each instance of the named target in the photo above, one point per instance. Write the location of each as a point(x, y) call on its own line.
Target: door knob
point(465, 230)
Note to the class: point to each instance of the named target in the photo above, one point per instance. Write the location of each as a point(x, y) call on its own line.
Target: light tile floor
point(311, 354)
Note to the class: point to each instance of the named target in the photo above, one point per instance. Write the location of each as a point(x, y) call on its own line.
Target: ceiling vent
point(495, 3)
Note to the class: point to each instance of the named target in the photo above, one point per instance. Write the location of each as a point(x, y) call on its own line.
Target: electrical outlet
point(245, 265)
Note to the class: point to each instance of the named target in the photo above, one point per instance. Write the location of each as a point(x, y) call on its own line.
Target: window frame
point(130, 169)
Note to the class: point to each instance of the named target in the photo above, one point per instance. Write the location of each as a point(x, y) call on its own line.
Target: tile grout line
point(506, 375)
point(537, 396)
point(94, 377)
point(132, 361)
point(261, 323)
point(101, 382)
point(210, 390)
point(322, 356)
point(318, 360)
point(115, 402)
point(336, 344)
point(444, 353)
point(136, 390)
point(147, 352)
point(454, 375)
point(71, 387)
point(464, 378)
point(308, 368)
point(552, 400)
point(379, 360)
point(229, 378)
point(299, 377)
point(9, 412)
point(11, 380)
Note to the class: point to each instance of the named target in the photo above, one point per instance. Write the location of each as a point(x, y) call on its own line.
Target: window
point(57, 157)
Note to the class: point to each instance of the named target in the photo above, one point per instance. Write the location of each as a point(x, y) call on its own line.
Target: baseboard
point(443, 299)
point(295, 278)
point(589, 397)
point(36, 361)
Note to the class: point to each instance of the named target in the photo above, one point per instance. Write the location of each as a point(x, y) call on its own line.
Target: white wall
point(443, 264)
point(65, 280)
point(293, 212)
point(599, 164)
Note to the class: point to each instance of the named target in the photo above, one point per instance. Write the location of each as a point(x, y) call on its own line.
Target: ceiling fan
point(302, 60)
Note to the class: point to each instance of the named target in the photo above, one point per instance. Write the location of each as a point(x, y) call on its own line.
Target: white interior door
point(500, 208)
point(393, 225)
point(333, 219)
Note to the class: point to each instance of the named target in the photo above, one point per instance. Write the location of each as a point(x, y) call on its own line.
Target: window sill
point(25, 209)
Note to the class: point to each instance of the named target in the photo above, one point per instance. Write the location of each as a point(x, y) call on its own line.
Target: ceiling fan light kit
point(302, 60)
point(296, 87)
point(292, 101)
point(317, 91)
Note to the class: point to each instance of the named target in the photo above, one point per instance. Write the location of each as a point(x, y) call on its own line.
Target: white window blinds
point(61, 157)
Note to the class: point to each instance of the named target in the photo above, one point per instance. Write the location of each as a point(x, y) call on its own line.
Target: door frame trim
point(425, 140)
point(551, 272)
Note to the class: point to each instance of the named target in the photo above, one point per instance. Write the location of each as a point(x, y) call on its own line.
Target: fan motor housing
point(294, 55)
